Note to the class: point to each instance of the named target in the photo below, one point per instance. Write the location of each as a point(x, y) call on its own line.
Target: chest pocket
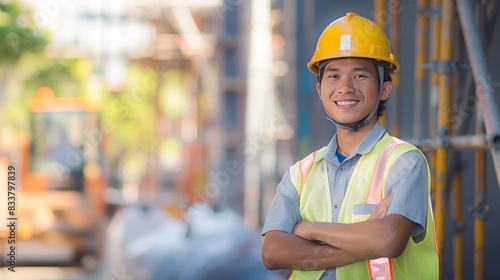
point(361, 212)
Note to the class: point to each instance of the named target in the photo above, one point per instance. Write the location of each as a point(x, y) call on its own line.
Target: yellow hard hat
point(353, 36)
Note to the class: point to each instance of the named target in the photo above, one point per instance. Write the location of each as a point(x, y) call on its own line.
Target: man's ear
point(318, 90)
point(386, 90)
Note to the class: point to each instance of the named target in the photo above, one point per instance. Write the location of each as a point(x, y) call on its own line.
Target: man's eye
point(359, 76)
point(333, 76)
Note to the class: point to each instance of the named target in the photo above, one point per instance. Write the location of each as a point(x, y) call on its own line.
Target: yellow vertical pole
point(458, 222)
point(420, 60)
point(379, 13)
point(434, 88)
point(395, 41)
point(445, 56)
point(479, 206)
point(456, 182)
point(380, 20)
point(480, 180)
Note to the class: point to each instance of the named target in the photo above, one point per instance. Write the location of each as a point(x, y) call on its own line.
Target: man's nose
point(345, 85)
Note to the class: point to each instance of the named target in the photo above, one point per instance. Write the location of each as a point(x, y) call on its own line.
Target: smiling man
point(359, 207)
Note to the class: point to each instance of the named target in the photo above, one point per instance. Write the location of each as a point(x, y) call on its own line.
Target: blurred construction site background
point(144, 139)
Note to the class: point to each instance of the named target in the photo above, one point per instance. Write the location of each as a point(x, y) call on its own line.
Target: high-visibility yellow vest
point(367, 186)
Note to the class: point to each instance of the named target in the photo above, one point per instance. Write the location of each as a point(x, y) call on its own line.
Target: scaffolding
point(442, 28)
point(449, 61)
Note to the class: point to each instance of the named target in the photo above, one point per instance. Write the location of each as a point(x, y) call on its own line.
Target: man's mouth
point(346, 103)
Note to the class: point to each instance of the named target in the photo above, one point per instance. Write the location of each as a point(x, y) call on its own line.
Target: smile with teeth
point(346, 103)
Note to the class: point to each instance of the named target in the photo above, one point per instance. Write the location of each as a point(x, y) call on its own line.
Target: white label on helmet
point(345, 42)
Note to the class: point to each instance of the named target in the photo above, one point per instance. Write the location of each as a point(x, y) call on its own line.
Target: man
point(358, 208)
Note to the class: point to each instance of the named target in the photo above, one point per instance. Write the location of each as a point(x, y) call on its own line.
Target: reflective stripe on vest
point(381, 268)
point(305, 166)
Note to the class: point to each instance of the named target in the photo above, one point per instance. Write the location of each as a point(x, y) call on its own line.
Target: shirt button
point(335, 206)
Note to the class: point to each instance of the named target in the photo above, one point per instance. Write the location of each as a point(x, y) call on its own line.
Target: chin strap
point(368, 118)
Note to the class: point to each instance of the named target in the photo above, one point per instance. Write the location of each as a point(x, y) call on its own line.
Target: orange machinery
point(59, 202)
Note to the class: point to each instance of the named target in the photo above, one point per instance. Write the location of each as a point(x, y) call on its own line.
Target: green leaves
point(19, 32)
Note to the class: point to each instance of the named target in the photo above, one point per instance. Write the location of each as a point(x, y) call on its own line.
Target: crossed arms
point(380, 236)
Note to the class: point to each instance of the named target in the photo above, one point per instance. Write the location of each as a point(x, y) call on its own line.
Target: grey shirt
point(407, 180)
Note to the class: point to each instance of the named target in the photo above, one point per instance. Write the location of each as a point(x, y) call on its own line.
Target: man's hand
point(381, 235)
point(282, 250)
point(381, 210)
point(302, 228)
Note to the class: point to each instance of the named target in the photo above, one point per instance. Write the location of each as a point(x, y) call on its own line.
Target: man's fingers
point(381, 209)
point(386, 201)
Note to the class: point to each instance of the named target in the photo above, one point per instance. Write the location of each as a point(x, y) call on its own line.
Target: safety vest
point(367, 186)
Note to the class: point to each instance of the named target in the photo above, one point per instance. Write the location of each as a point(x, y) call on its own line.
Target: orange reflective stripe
point(305, 166)
point(375, 193)
point(381, 268)
point(433, 228)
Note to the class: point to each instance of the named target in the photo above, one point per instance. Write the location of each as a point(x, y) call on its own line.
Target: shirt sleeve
point(408, 179)
point(284, 211)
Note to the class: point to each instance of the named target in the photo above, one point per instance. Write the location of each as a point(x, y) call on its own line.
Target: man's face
point(349, 89)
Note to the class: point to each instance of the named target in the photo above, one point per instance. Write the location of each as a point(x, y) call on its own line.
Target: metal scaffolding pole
point(458, 226)
point(445, 57)
point(379, 6)
point(484, 89)
point(395, 27)
point(457, 143)
point(434, 88)
point(379, 13)
point(456, 182)
point(479, 204)
point(480, 179)
point(420, 59)
point(468, 93)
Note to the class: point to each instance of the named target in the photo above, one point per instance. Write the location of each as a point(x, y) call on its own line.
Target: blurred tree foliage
point(24, 68)
point(19, 40)
point(19, 34)
point(129, 121)
point(67, 77)
point(128, 117)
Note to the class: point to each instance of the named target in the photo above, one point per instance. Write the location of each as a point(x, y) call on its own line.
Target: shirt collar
point(370, 139)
